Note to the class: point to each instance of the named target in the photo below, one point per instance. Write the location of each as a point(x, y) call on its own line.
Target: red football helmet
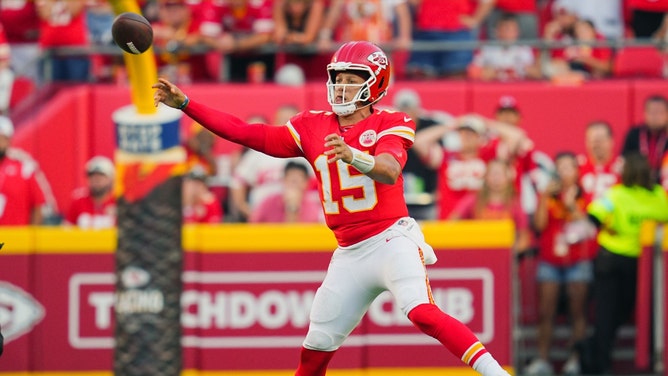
point(359, 56)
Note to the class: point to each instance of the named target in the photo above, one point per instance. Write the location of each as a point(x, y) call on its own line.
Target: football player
point(357, 152)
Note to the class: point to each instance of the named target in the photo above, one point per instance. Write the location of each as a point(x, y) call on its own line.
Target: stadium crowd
point(461, 167)
point(256, 40)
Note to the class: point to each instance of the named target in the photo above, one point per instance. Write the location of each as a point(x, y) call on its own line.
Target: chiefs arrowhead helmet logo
point(378, 59)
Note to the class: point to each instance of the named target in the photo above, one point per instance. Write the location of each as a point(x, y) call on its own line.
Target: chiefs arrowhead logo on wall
point(19, 311)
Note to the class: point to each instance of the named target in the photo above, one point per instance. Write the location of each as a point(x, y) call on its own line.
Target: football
point(132, 33)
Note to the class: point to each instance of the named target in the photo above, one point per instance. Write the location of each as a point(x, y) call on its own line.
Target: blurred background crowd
point(461, 167)
point(290, 40)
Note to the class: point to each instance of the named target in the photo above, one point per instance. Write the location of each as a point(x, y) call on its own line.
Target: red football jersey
point(596, 179)
point(85, 213)
point(459, 177)
point(20, 190)
point(355, 206)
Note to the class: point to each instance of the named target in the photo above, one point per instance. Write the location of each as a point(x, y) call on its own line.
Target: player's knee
point(428, 318)
point(321, 341)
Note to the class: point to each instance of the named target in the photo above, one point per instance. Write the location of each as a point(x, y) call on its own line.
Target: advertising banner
point(240, 309)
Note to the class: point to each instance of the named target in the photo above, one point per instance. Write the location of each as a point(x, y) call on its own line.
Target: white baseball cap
point(406, 99)
point(6, 126)
point(290, 75)
point(100, 164)
point(568, 6)
point(472, 122)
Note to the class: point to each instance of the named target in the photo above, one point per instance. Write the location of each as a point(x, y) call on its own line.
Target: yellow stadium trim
point(226, 238)
point(451, 371)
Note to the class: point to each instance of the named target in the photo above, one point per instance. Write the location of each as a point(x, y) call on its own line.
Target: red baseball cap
point(507, 102)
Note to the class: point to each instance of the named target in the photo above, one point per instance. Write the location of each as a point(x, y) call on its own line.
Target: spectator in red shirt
point(200, 205)
point(564, 259)
point(21, 22)
point(372, 20)
point(63, 24)
point(296, 202)
point(94, 206)
point(530, 165)
point(175, 32)
point(22, 184)
point(246, 26)
point(497, 200)
point(600, 168)
point(457, 21)
point(461, 172)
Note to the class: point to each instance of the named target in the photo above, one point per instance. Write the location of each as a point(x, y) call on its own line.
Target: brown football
point(132, 33)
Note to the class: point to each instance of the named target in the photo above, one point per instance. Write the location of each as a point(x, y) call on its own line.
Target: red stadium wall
point(76, 124)
point(245, 304)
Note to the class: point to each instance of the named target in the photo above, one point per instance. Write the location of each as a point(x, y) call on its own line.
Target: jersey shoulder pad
point(313, 115)
point(397, 124)
point(393, 118)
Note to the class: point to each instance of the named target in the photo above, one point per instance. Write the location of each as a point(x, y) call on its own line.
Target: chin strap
point(344, 109)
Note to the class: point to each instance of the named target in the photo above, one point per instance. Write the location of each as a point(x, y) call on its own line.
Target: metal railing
point(543, 46)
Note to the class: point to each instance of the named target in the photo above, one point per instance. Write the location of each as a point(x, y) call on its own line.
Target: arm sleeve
point(271, 140)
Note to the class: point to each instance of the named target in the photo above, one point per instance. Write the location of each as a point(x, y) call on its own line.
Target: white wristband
point(363, 162)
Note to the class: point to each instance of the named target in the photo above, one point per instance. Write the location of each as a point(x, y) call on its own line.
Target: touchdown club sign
point(270, 309)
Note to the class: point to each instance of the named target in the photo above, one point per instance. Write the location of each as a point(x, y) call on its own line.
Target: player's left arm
point(276, 141)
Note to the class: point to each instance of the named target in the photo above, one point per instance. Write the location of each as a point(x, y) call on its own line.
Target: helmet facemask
point(362, 91)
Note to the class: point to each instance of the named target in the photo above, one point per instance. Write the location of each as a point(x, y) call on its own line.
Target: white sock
point(486, 365)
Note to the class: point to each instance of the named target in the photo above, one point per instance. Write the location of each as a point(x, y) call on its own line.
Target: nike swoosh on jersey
point(407, 119)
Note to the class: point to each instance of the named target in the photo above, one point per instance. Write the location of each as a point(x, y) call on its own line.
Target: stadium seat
point(644, 62)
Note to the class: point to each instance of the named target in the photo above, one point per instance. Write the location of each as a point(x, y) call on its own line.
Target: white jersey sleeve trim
point(295, 135)
point(401, 131)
